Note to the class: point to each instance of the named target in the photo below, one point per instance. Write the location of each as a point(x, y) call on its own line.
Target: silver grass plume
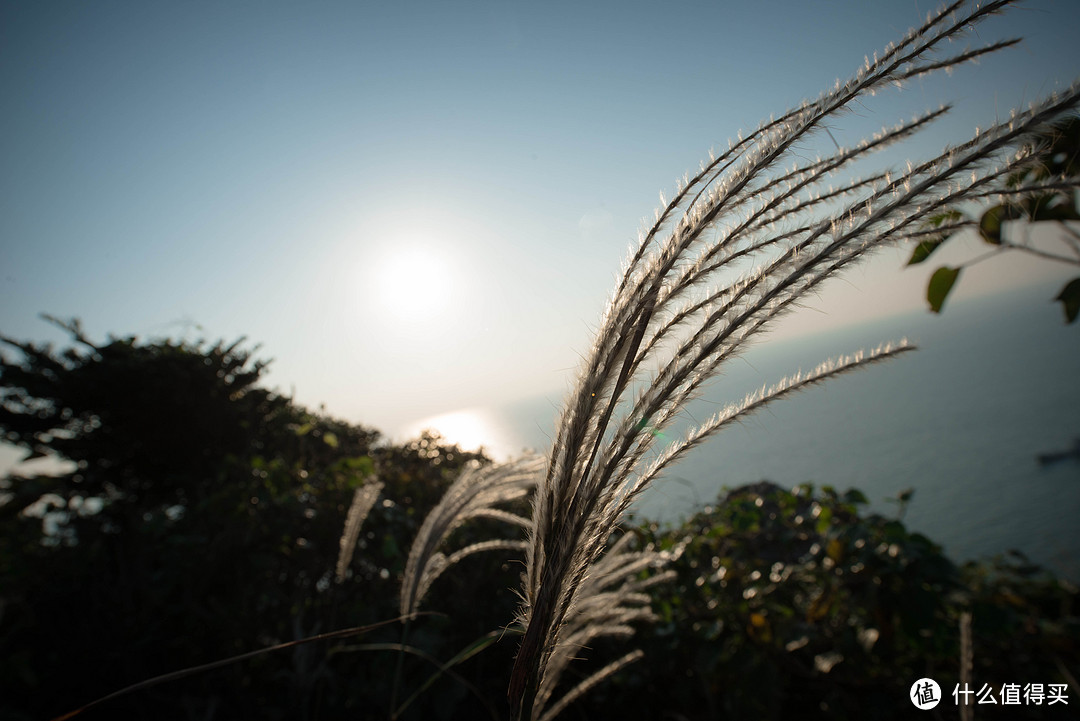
point(363, 500)
point(612, 597)
point(674, 320)
point(475, 493)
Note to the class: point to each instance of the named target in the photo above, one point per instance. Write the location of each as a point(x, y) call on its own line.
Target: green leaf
point(925, 248)
point(824, 519)
point(1070, 299)
point(359, 464)
point(330, 439)
point(855, 496)
point(949, 216)
point(990, 225)
point(941, 282)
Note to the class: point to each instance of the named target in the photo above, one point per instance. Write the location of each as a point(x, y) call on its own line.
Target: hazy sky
point(420, 207)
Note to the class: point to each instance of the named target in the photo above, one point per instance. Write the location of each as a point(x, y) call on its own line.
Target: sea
point(961, 422)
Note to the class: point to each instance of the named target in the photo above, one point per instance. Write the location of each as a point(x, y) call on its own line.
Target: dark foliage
point(793, 605)
point(199, 518)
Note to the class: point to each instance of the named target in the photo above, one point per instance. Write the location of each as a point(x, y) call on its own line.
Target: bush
point(792, 604)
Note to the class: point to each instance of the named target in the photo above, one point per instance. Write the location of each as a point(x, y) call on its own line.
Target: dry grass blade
point(363, 500)
point(475, 494)
point(612, 597)
point(686, 303)
point(752, 403)
point(591, 681)
point(184, 673)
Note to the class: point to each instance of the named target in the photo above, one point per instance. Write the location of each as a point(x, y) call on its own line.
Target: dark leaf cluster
point(1054, 168)
point(800, 605)
point(200, 515)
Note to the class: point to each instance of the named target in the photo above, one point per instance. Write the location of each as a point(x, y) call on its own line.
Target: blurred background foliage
point(198, 516)
point(800, 604)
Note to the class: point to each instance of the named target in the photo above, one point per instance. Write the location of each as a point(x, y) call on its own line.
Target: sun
point(414, 283)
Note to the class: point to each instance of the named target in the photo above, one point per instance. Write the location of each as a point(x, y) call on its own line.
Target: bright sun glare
point(413, 284)
point(466, 429)
point(472, 429)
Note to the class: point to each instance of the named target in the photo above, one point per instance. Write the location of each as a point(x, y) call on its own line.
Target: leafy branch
point(1041, 191)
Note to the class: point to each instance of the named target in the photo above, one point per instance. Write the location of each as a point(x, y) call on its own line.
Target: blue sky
point(268, 169)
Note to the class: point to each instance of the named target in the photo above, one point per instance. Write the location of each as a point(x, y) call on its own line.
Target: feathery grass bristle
point(685, 304)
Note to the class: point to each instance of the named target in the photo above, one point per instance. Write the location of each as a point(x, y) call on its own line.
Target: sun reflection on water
point(473, 429)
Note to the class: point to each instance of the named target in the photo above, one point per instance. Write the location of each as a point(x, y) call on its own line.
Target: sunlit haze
point(412, 284)
point(420, 208)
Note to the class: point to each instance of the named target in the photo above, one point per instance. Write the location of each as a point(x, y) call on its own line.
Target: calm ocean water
point(995, 383)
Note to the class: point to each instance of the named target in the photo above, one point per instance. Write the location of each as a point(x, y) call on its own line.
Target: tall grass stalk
point(678, 314)
point(476, 493)
point(363, 500)
point(612, 597)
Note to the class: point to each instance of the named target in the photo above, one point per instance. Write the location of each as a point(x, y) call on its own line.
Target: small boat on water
point(1070, 453)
